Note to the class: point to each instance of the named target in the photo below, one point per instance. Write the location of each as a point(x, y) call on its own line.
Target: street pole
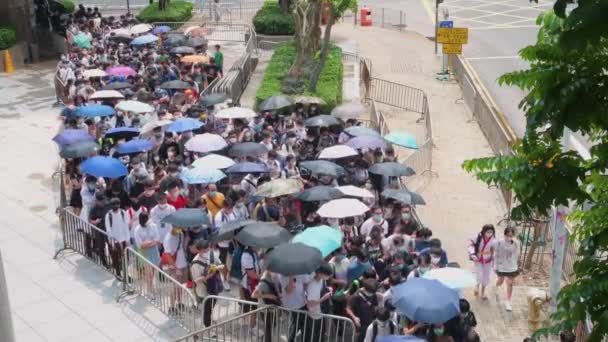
point(6, 320)
point(560, 238)
point(436, 22)
point(128, 8)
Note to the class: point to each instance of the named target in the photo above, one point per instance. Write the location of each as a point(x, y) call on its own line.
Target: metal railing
point(388, 18)
point(234, 10)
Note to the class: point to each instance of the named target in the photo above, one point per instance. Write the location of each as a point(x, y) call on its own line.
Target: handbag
point(169, 259)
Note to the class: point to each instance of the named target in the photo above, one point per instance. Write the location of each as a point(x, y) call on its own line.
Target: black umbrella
point(79, 150)
point(322, 121)
point(323, 167)
point(117, 86)
point(294, 259)
point(197, 41)
point(391, 169)
point(263, 235)
point(184, 50)
point(176, 85)
point(120, 38)
point(248, 149)
point(187, 217)
point(175, 39)
point(247, 167)
point(276, 102)
point(119, 133)
point(229, 229)
point(213, 99)
point(404, 196)
point(320, 193)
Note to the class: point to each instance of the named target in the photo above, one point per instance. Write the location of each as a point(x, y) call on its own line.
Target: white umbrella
point(206, 142)
point(134, 107)
point(342, 207)
point(186, 31)
point(353, 191)
point(94, 73)
point(150, 126)
point(213, 161)
point(121, 32)
point(140, 28)
point(452, 277)
point(337, 151)
point(236, 113)
point(106, 94)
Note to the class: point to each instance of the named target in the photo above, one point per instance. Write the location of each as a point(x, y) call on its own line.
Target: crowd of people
point(381, 249)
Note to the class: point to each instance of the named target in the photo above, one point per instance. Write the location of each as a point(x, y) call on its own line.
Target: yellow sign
point(452, 49)
point(456, 35)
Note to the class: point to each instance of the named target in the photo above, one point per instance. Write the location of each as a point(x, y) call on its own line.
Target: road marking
point(491, 58)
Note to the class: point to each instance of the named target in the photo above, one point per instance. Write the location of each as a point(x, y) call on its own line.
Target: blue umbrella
point(201, 176)
point(100, 166)
point(366, 141)
point(184, 125)
point(426, 300)
point(402, 139)
point(248, 167)
point(145, 39)
point(135, 146)
point(92, 111)
point(70, 136)
point(324, 238)
point(399, 338)
point(161, 29)
point(122, 133)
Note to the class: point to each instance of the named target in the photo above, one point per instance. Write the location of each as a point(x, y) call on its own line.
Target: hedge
point(271, 21)
point(8, 37)
point(68, 5)
point(176, 11)
point(329, 87)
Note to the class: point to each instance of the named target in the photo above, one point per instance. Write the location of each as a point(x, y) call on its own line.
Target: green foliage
point(7, 37)
point(68, 5)
point(339, 7)
point(270, 20)
point(329, 87)
point(176, 11)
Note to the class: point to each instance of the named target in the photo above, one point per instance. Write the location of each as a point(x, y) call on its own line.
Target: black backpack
point(214, 284)
point(391, 327)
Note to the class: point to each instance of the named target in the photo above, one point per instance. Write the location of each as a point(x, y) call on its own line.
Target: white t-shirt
point(157, 214)
point(313, 293)
point(296, 299)
point(388, 245)
point(248, 262)
point(222, 218)
point(149, 233)
point(171, 243)
point(367, 226)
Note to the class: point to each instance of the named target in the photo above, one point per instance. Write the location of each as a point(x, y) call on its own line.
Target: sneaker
point(508, 306)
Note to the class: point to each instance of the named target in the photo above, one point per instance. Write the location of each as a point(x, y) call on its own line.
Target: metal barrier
point(233, 10)
point(220, 308)
point(398, 95)
point(147, 280)
point(388, 18)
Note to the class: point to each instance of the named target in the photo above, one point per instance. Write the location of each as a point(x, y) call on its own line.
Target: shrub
point(68, 6)
point(329, 87)
point(7, 37)
point(271, 21)
point(176, 11)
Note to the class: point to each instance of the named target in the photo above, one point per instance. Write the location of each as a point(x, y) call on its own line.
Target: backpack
point(214, 284)
point(235, 268)
point(273, 291)
point(122, 214)
point(391, 327)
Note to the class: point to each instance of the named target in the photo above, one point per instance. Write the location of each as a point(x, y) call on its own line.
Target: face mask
point(509, 238)
point(405, 216)
point(212, 193)
point(91, 186)
point(233, 140)
point(164, 206)
point(488, 234)
point(435, 260)
point(158, 136)
point(438, 331)
point(241, 205)
point(377, 217)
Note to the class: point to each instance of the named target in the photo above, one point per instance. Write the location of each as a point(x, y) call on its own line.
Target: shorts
point(507, 274)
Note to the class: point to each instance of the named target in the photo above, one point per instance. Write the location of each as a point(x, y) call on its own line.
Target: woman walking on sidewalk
point(481, 252)
point(506, 255)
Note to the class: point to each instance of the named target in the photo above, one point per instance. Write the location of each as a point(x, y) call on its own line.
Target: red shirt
point(179, 203)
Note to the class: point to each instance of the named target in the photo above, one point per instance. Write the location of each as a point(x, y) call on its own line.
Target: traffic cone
point(8, 63)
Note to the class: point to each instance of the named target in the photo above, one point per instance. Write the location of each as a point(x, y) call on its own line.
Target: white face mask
point(488, 234)
point(435, 260)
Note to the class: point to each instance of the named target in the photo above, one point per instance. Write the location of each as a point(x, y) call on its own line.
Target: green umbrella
point(82, 41)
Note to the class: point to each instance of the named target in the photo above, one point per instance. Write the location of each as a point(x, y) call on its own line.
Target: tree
point(285, 5)
point(336, 9)
point(567, 88)
point(307, 19)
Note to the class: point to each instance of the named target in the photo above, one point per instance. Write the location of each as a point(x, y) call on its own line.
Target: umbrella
point(192, 59)
point(121, 38)
point(248, 167)
point(404, 196)
point(351, 110)
point(293, 259)
point(122, 133)
point(70, 136)
point(452, 277)
point(323, 167)
point(320, 193)
point(200, 175)
point(91, 111)
point(187, 217)
point(426, 300)
point(324, 238)
point(184, 125)
point(140, 28)
point(342, 207)
point(353, 191)
point(184, 50)
point(106, 95)
point(399, 338)
point(176, 85)
point(100, 166)
point(117, 86)
point(263, 235)
point(337, 152)
point(309, 100)
point(94, 73)
point(143, 40)
point(229, 229)
point(322, 121)
point(79, 150)
point(213, 161)
point(150, 126)
point(197, 41)
point(276, 102)
point(82, 41)
point(121, 70)
point(366, 141)
point(236, 113)
point(279, 187)
point(197, 31)
point(122, 30)
point(250, 149)
point(161, 29)
point(402, 139)
point(356, 131)
point(134, 107)
point(175, 39)
point(391, 169)
point(213, 99)
point(135, 146)
point(206, 142)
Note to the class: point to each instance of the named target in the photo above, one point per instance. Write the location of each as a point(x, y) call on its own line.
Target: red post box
point(366, 16)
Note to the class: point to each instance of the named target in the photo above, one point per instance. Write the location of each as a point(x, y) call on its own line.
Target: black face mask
point(115, 208)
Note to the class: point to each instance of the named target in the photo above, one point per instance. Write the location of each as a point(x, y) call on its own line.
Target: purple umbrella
point(71, 136)
point(366, 141)
point(121, 70)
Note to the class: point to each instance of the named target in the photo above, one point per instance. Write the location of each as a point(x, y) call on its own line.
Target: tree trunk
point(316, 73)
point(305, 12)
point(285, 4)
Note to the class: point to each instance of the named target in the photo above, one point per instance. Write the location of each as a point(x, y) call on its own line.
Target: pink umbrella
point(121, 71)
